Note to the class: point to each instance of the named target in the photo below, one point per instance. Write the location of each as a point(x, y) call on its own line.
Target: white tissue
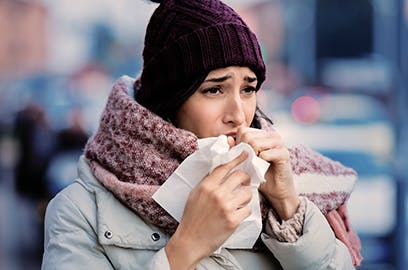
point(173, 194)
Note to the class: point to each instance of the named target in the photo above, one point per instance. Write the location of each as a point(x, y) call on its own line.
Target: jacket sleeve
point(317, 248)
point(70, 241)
point(159, 261)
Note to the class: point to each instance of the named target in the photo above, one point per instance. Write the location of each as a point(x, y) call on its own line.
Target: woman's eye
point(249, 90)
point(212, 90)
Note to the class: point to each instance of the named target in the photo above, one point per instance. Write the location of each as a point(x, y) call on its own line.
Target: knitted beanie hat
point(185, 40)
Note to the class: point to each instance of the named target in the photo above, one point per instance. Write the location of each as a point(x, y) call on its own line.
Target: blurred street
point(20, 239)
point(337, 81)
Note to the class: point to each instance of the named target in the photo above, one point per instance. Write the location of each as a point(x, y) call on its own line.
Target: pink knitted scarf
point(138, 151)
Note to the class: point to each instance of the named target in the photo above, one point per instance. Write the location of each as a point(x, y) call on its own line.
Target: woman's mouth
point(231, 134)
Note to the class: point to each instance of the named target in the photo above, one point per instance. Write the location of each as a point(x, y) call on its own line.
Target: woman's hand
point(279, 187)
point(214, 210)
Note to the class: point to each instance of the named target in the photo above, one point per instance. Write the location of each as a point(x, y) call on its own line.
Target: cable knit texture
point(306, 161)
point(134, 151)
point(287, 230)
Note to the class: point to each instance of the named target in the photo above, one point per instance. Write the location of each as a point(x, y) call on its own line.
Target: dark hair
point(168, 108)
point(259, 114)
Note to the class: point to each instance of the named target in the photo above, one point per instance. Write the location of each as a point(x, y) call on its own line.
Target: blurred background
point(337, 81)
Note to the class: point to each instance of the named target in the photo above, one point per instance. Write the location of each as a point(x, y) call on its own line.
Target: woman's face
point(225, 101)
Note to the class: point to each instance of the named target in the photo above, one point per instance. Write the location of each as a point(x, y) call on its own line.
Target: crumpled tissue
point(212, 152)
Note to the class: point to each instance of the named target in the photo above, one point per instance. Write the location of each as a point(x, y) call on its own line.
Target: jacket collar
point(116, 224)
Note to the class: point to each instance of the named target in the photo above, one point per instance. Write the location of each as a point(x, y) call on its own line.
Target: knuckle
point(217, 197)
point(225, 211)
point(245, 137)
point(231, 223)
point(239, 173)
point(205, 188)
point(248, 193)
point(242, 174)
point(246, 178)
point(246, 196)
point(247, 212)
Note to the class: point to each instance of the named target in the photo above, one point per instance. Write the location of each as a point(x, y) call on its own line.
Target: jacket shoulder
point(73, 208)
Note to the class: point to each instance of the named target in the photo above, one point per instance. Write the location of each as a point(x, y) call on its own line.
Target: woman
point(202, 69)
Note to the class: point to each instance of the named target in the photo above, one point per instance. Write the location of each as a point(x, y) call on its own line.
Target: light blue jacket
point(86, 227)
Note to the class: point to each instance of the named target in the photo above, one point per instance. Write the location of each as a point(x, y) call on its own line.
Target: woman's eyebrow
point(218, 79)
point(226, 77)
point(250, 79)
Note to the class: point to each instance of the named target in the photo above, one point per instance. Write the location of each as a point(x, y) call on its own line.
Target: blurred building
point(23, 28)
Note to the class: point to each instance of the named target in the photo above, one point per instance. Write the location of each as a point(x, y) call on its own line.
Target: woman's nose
point(234, 111)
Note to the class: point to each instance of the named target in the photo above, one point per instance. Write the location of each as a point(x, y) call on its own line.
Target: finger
point(240, 132)
point(235, 180)
point(242, 197)
point(242, 213)
point(223, 170)
point(275, 155)
point(231, 141)
point(259, 140)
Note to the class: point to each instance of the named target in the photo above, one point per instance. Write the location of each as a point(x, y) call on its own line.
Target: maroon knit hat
point(185, 40)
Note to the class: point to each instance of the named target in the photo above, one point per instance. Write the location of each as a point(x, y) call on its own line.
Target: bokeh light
point(305, 110)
